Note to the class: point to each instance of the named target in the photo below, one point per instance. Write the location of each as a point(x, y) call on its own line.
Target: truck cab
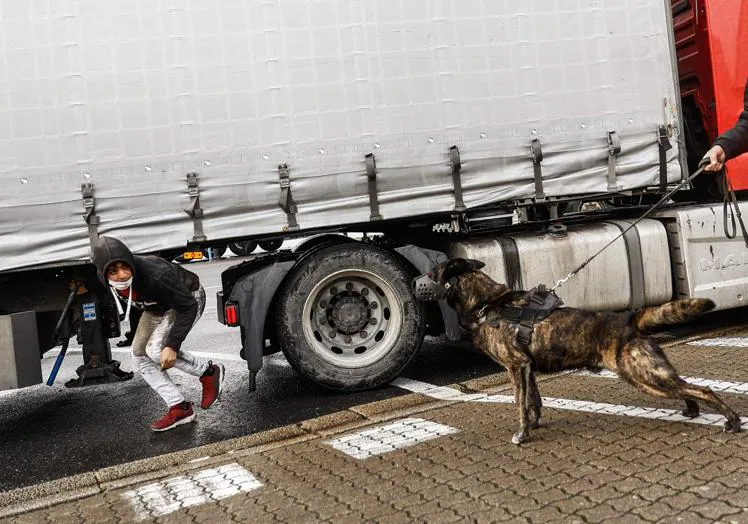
point(711, 40)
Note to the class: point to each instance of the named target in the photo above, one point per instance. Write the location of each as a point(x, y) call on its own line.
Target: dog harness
point(538, 304)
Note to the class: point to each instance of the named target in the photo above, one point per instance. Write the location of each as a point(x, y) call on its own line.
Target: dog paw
point(732, 426)
point(518, 438)
point(689, 413)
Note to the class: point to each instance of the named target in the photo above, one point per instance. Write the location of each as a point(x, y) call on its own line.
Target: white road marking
point(383, 439)
point(737, 388)
point(737, 342)
point(446, 393)
point(168, 496)
point(437, 392)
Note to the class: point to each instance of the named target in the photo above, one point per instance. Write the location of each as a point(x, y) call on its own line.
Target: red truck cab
point(711, 39)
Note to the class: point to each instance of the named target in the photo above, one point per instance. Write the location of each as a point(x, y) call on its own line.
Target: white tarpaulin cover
point(133, 95)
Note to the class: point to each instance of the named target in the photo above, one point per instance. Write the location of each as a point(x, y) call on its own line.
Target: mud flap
point(254, 293)
point(424, 261)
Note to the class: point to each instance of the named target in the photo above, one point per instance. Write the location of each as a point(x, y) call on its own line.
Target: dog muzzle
point(428, 290)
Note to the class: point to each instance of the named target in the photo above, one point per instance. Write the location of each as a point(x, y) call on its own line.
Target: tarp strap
point(194, 210)
point(537, 158)
point(286, 201)
point(663, 141)
point(371, 175)
point(637, 281)
point(614, 148)
point(90, 216)
point(456, 163)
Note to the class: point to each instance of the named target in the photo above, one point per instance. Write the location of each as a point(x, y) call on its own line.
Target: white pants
point(149, 340)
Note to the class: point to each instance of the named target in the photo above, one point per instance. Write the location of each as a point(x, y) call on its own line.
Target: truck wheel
point(271, 245)
point(347, 318)
point(242, 249)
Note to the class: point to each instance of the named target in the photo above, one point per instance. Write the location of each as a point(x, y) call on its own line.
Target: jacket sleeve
point(176, 296)
point(735, 141)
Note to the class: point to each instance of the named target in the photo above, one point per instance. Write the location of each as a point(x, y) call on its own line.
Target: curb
point(76, 487)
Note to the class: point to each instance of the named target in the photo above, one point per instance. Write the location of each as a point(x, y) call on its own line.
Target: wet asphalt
point(48, 433)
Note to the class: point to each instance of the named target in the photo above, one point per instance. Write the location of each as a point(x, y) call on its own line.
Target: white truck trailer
point(436, 128)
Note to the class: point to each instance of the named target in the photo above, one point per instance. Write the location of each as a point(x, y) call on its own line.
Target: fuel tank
point(633, 272)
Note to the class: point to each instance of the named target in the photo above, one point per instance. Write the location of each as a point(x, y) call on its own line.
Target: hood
point(107, 250)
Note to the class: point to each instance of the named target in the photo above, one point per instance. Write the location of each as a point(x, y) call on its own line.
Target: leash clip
point(561, 282)
point(481, 317)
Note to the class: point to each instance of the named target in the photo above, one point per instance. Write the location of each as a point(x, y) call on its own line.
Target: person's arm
point(733, 142)
point(173, 294)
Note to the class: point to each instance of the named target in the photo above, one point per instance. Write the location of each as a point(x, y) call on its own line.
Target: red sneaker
point(177, 415)
point(212, 385)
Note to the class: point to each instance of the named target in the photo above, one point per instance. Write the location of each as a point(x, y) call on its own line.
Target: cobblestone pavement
point(438, 461)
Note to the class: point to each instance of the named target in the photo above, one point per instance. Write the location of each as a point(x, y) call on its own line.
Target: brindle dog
point(573, 338)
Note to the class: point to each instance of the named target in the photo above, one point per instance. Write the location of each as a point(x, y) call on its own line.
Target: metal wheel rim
point(343, 292)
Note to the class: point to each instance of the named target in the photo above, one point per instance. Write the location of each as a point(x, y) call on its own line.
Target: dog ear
point(475, 264)
point(455, 268)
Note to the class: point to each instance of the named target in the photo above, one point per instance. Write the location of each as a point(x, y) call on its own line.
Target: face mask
point(121, 286)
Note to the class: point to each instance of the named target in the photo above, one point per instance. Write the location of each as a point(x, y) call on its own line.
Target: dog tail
point(648, 320)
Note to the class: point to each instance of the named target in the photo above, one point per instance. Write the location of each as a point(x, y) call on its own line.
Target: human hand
point(717, 159)
point(168, 358)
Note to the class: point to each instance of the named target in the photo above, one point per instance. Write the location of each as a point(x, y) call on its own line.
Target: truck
point(388, 135)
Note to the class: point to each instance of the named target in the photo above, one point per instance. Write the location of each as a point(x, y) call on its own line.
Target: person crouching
point(171, 300)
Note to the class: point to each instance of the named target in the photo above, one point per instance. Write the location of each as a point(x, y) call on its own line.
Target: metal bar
point(58, 363)
point(66, 310)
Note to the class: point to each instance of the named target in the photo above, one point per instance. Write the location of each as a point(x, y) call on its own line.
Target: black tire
point(362, 294)
point(242, 249)
point(271, 245)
